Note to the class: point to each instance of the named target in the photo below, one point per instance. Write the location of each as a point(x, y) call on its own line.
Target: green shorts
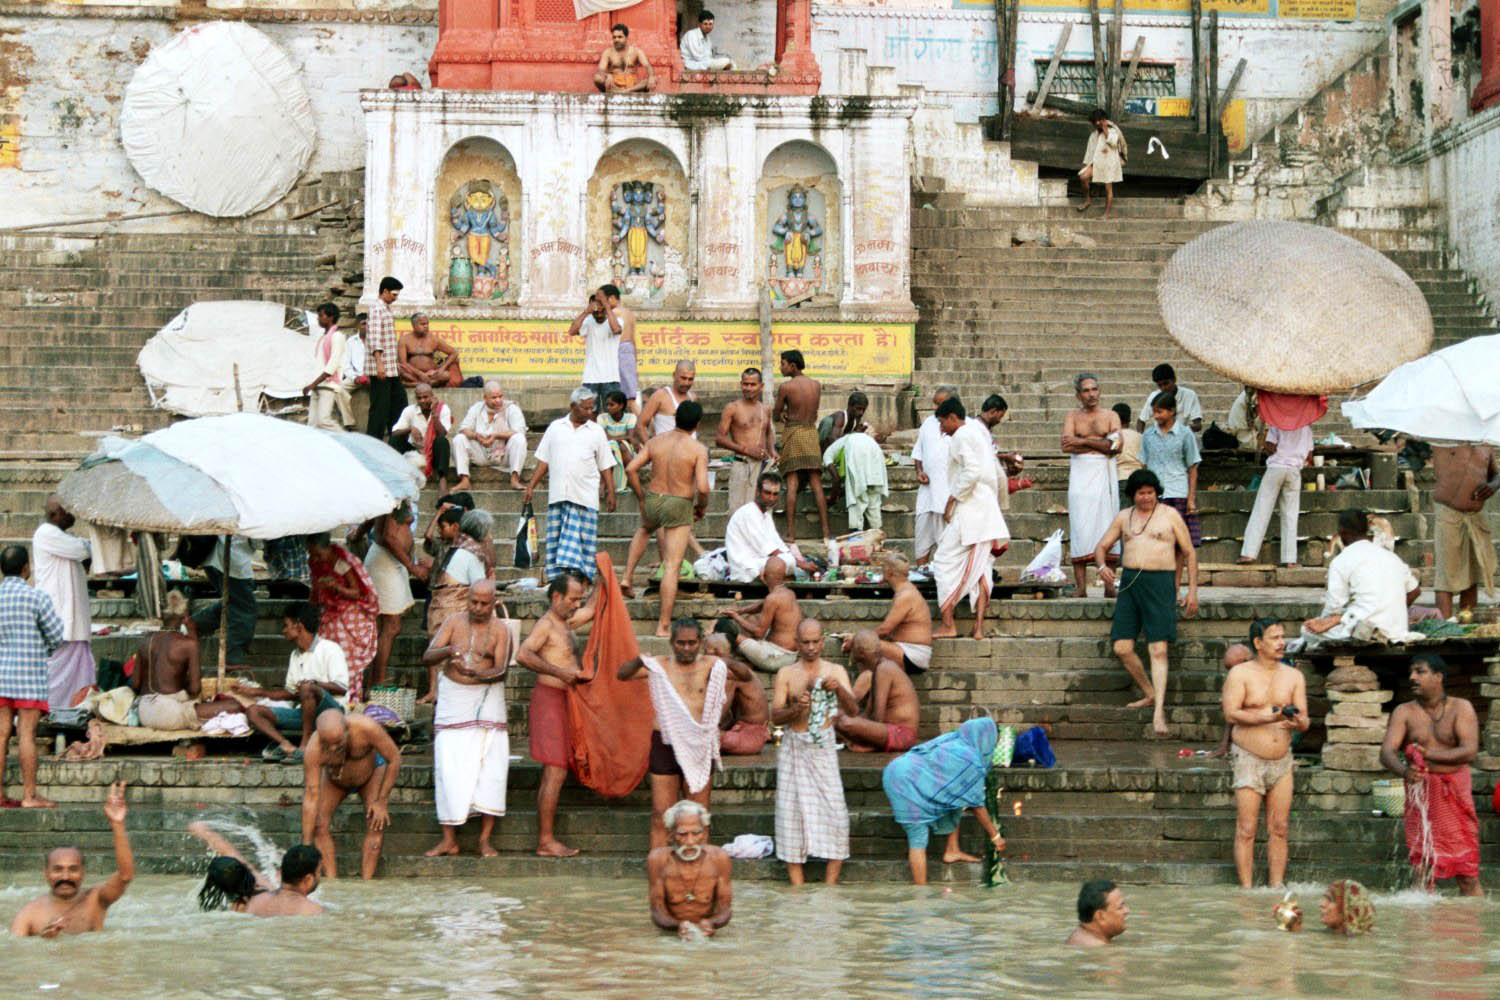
point(1147, 602)
point(662, 511)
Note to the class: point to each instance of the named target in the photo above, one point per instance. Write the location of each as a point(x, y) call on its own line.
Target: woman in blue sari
point(932, 784)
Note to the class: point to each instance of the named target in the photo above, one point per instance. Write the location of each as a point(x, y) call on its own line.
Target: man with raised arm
point(69, 908)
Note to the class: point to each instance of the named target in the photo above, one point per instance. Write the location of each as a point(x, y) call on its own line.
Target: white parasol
point(217, 120)
point(1452, 395)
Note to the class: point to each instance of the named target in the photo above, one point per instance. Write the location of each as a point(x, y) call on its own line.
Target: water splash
point(263, 853)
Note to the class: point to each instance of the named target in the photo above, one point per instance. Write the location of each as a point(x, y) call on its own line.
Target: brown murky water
point(556, 938)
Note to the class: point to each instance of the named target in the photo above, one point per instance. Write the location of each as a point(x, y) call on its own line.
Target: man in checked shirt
point(387, 396)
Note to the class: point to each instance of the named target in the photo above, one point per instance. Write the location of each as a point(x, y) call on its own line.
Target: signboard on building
point(847, 351)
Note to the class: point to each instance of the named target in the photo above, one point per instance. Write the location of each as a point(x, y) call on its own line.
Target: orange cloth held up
point(609, 720)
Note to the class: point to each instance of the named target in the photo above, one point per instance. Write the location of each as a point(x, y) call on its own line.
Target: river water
point(593, 938)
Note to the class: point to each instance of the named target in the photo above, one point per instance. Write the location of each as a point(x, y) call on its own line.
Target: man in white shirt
point(751, 539)
point(930, 455)
point(1189, 409)
point(577, 449)
point(59, 566)
point(698, 52)
point(601, 330)
point(1283, 479)
point(964, 563)
point(353, 374)
point(242, 606)
point(493, 433)
point(1369, 590)
point(327, 391)
point(317, 679)
point(421, 434)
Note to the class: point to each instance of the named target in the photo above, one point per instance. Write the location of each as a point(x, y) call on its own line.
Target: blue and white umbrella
point(1452, 395)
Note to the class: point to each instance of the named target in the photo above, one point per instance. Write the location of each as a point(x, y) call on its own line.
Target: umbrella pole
point(224, 613)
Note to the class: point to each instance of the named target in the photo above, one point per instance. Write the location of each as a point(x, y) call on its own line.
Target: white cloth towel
point(695, 742)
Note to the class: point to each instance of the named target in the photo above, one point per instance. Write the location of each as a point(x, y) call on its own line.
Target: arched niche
point(637, 219)
point(478, 207)
point(798, 224)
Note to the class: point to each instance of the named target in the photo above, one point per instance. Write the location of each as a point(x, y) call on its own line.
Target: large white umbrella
point(1452, 395)
point(217, 120)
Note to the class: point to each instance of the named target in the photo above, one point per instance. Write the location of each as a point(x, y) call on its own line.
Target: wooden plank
point(1059, 143)
point(1012, 18)
point(1000, 47)
point(1195, 24)
point(1135, 62)
point(1214, 108)
point(1116, 32)
point(1234, 83)
point(1057, 53)
point(1098, 52)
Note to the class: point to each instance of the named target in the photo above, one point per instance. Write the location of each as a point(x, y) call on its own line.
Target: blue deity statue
point(475, 217)
point(796, 234)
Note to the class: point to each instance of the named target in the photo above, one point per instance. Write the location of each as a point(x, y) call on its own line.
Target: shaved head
point(332, 726)
point(865, 648)
point(1236, 654)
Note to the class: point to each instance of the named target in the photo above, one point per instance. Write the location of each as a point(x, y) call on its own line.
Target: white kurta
point(1367, 586)
point(749, 540)
point(1106, 154)
point(964, 560)
point(931, 450)
point(57, 571)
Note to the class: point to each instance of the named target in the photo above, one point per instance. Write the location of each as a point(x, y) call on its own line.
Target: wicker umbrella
point(1292, 307)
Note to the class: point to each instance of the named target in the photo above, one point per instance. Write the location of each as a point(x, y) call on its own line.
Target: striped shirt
point(381, 336)
point(30, 630)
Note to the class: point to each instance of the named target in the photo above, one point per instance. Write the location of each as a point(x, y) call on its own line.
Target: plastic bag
point(526, 539)
point(713, 565)
point(1046, 565)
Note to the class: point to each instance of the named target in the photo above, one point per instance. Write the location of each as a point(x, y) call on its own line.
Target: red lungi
point(1455, 826)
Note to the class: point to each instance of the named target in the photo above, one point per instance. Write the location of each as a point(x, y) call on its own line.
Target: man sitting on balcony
point(698, 52)
point(623, 68)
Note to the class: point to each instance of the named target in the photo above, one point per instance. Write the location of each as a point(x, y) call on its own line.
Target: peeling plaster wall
point(1461, 176)
point(475, 159)
point(66, 76)
point(638, 160)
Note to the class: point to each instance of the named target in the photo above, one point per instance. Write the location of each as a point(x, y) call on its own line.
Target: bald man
point(888, 705)
point(348, 754)
point(1236, 654)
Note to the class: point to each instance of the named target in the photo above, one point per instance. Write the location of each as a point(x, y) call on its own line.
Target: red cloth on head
point(1455, 825)
point(610, 719)
point(1286, 412)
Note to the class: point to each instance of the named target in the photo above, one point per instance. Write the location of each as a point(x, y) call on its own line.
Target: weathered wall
point(1461, 176)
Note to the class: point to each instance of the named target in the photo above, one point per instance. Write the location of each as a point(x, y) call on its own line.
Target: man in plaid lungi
point(30, 630)
point(576, 449)
point(811, 817)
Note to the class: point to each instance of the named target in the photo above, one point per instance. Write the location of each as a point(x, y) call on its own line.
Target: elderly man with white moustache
point(493, 433)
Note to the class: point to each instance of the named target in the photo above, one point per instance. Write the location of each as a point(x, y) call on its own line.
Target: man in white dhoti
point(811, 817)
point(471, 746)
point(930, 456)
point(751, 536)
point(1091, 438)
point(59, 564)
point(687, 694)
point(698, 53)
point(964, 564)
point(1103, 161)
point(493, 433)
point(858, 459)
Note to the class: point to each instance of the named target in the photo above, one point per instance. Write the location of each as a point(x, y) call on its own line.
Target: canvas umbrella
point(1291, 307)
point(1449, 396)
point(241, 474)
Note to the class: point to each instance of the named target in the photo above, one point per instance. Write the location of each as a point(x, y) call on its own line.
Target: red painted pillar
point(794, 55)
point(1488, 91)
point(466, 29)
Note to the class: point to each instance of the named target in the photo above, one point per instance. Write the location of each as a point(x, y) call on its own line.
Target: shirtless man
point(659, 415)
point(811, 817)
point(768, 627)
point(1101, 914)
point(906, 633)
point(1153, 534)
point(551, 652)
point(679, 496)
point(1464, 549)
point(801, 455)
point(688, 881)
point(68, 908)
point(416, 357)
point(888, 706)
point(692, 675)
point(299, 879)
point(1091, 437)
point(623, 68)
point(745, 725)
point(745, 429)
point(1234, 655)
point(347, 754)
point(471, 749)
point(1446, 731)
point(171, 678)
point(1264, 700)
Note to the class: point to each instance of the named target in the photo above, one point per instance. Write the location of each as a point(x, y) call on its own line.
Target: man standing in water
point(688, 881)
point(348, 754)
point(1101, 914)
point(1264, 700)
point(552, 654)
point(1440, 735)
point(69, 908)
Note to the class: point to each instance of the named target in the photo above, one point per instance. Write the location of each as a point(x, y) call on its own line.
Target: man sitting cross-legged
point(888, 706)
point(768, 638)
point(317, 676)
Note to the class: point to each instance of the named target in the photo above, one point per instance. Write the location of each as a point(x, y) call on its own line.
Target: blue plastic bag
point(1032, 747)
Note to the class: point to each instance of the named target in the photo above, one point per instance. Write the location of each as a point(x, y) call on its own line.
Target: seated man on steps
point(169, 677)
point(744, 727)
point(906, 633)
point(751, 538)
point(421, 434)
point(769, 626)
point(317, 678)
point(623, 68)
point(698, 53)
point(888, 706)
point(1369, 590)
point(493, 433)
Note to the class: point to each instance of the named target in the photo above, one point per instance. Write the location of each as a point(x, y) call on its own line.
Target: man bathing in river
point(688, 881)
point(1445, 730)
point(551, 652)
point(232, 884)
point(69, 908)
point(1153, 535)
point(1101, 914)
point(1264, 700)
point(687, 695)
point(348, 754)
point(471, 748)
point(887, 701)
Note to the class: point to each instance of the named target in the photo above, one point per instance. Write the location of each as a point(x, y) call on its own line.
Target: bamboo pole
point(224, 614)
point(1214, 110)
point(1001, 46)
point(1057, 53)
point(1195, 22)
point(1116, 32)
point(1135, 61)
point(1012, 24)
point(1099, 81)
point(767, 352)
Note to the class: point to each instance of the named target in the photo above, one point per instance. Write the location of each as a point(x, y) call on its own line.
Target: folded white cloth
point(228, 724)
point(748, 846)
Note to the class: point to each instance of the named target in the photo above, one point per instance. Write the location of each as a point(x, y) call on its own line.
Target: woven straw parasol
point(1292, 307)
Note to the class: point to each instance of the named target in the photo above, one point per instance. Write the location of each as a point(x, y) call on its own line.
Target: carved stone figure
point(795, 235)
